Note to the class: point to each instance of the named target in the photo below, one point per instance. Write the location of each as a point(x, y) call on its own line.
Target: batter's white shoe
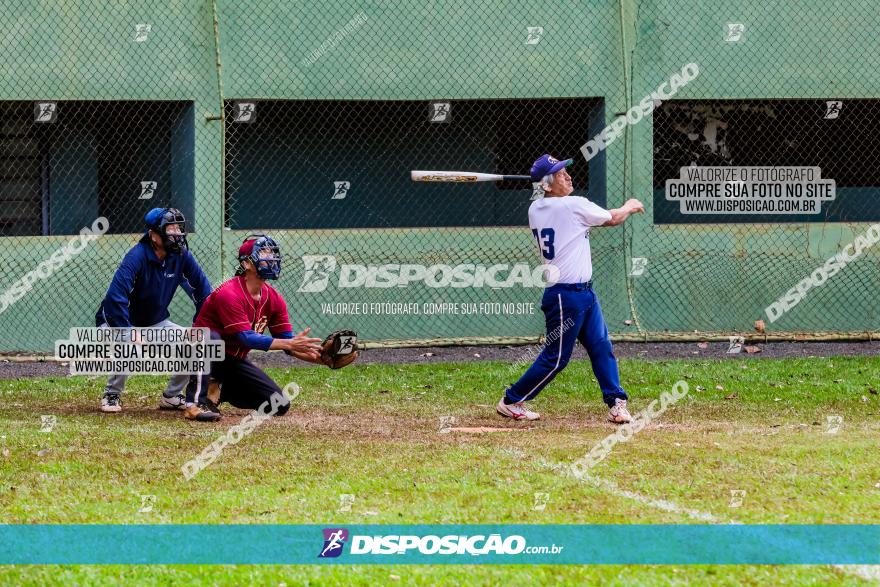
point(619, 414)
point(517, 411)
point(111, 403)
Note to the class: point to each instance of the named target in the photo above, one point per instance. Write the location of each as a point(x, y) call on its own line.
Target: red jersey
point(230, 309)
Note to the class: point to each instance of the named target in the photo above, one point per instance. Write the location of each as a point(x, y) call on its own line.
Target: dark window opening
point(839, 136)
point(346, 164)
point(115, 159)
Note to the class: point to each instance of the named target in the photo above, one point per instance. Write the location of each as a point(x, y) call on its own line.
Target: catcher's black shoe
point(214, 407)
point(202, 412)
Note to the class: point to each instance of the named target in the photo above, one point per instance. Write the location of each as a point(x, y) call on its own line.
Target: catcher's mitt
point(340, 348)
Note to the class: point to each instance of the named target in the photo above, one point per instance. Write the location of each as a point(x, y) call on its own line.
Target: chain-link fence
point(305, 122)
point(781, 86)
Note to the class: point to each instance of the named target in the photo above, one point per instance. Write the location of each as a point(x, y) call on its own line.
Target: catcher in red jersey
point(239, 312)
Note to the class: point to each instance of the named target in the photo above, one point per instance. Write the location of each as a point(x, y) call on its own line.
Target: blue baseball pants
point(572, 314)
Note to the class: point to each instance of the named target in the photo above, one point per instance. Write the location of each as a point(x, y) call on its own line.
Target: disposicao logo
point(334, 540)
point(433, 544)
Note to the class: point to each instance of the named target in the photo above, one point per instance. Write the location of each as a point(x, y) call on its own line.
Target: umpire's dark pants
point(242, 384)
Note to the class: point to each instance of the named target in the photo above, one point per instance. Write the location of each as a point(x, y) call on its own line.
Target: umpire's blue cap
point(154, 217)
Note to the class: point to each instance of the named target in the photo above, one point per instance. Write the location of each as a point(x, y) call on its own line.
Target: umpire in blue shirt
point(142, 289)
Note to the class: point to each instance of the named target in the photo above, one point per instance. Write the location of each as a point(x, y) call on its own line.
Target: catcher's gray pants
point(176, 385)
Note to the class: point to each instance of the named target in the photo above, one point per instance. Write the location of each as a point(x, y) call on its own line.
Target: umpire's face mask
point(173, 238)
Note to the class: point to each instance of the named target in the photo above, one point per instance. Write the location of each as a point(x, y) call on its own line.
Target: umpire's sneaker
point(517, 411)
point(619, 414)
point(201, 413)
point(111, 403)
point(174, 402)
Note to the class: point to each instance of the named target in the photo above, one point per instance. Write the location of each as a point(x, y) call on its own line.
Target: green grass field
point(758, 428)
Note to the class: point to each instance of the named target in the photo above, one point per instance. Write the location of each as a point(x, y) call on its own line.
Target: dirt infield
point(650, 351)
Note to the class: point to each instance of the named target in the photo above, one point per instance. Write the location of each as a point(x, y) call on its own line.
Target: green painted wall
point(721, 277)
point(705, 277)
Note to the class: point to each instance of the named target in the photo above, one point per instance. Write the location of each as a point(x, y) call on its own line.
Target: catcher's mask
point(263, 252)
point(158, 220)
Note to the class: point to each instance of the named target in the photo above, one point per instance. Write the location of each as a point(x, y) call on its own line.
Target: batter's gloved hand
point(340, 348)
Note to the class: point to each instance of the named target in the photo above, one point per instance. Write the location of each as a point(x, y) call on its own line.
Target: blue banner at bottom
point(440, 544)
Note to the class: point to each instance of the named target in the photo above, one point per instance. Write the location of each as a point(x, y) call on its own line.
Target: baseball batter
point(561, 224)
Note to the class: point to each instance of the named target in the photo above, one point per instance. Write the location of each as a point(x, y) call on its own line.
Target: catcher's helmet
point(159, 218)
point(263, 253)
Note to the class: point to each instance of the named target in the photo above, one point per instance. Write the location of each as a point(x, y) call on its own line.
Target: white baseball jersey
point(561, 227)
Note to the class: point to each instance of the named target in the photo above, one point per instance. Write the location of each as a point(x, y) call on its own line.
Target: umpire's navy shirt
point(143, 286)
